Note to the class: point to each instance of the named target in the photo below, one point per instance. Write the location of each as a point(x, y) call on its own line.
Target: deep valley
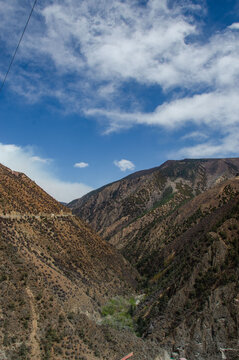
point(148, 264)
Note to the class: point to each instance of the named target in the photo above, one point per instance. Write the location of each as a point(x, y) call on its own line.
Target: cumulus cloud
point(234, 26)
point(81, 165)
point(24, 160)
point(124, 164)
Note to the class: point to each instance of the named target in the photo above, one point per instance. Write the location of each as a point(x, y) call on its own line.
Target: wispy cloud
point(37, 168)
point(195, 135)
point(124, 164)
point(40, 160)
point(228, 145)
point(81, 165)
point(217, 109)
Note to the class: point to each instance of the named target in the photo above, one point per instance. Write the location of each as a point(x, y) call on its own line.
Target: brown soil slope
point(55, 274)
point(18, 193)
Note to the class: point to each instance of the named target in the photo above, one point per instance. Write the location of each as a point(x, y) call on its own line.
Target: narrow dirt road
point(27, 216)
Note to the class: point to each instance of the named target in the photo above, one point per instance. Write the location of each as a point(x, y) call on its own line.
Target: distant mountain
point(55, 275)
point(178, 224)
point(114, 207)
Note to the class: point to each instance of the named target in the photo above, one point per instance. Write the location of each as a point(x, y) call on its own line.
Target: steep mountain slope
point(20, 194)
point(179, 226)
point(55, 275)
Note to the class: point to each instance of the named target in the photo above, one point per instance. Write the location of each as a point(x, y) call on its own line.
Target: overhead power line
point(19, 42)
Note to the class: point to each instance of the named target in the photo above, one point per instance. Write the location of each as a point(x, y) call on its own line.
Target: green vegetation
point(118, 313)
point(160, 181)
point(51, 337)
point(204, 283)
point(166, 197)
point(184, 189)
point(23, 352)
point(3, 277)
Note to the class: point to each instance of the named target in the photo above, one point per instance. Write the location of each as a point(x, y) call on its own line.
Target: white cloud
point(234, 26)
point(226, 146)
point(24, 160)
point(41, 160)
point(101, 46)
point(81, 165)
point(103, 40)
point(195, 135)
point(215, 109)
point(100, 43)
point(124, 165)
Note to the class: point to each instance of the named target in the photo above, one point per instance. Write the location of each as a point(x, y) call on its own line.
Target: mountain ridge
point(141, 191)
point(141, 172)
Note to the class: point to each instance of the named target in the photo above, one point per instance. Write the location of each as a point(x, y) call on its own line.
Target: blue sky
point(101, 89)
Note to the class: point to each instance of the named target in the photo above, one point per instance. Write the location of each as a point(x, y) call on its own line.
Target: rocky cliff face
point(55, 275)
point(179, 226)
